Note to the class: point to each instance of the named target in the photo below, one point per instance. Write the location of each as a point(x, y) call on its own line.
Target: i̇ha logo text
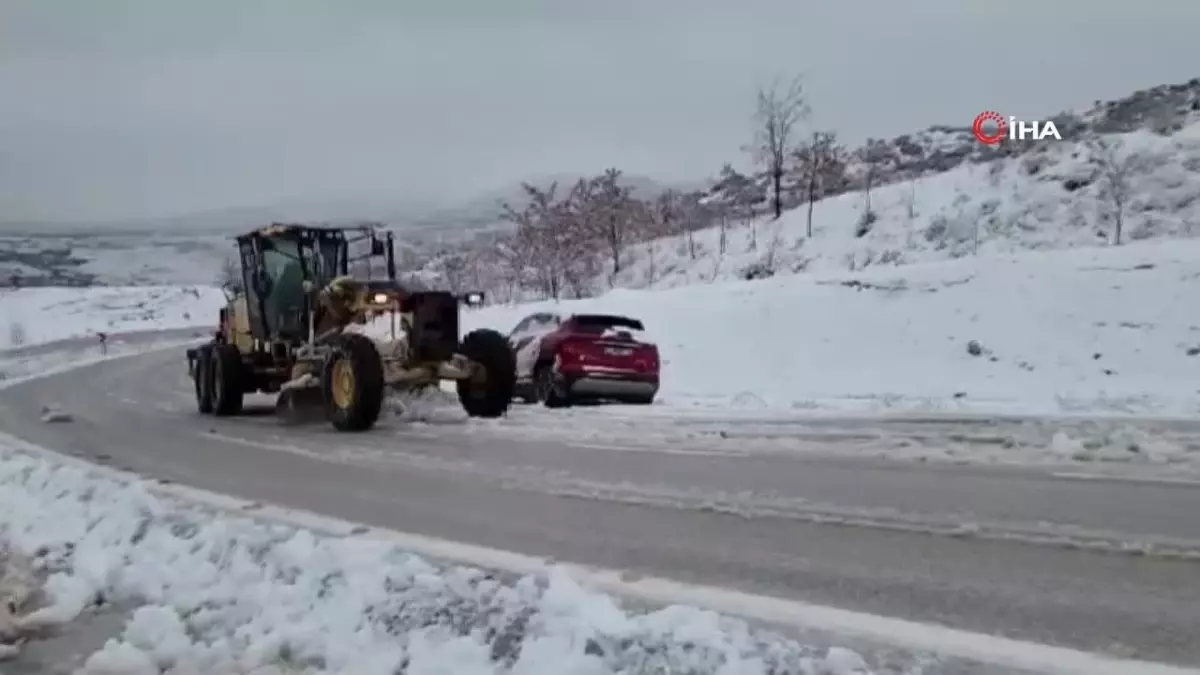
point(990, 128)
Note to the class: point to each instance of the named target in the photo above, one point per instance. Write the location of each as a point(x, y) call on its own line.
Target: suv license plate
point(617, 351)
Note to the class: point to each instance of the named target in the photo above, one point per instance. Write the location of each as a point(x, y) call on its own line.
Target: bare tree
point(667, 215)
point(778, 112)
point(871, 156)
point(455, 269)
point(500, 256)
point(580, 227)
point(694, 215)
point(562, 238)
point(609, 208)
point(814, 160)
point(540, 241)
point(662, 218)
point(736, 195)
point(774, 242)
point(1116, 165)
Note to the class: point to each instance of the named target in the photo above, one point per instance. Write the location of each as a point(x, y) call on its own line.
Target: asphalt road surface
point(885, 538)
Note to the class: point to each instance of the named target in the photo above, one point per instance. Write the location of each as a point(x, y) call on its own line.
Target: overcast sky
point(124, 108)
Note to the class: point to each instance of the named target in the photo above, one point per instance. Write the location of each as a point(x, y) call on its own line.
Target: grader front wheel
point(491, 393)
point(352, 384)
point(342, 383)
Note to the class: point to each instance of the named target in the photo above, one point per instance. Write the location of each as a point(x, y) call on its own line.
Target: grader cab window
point(330, 252)
point(280, 257)
point(284, 272)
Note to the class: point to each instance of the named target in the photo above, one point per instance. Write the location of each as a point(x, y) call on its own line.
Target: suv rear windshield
point(599, 322)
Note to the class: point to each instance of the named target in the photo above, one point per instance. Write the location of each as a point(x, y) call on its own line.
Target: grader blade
point(300, 405)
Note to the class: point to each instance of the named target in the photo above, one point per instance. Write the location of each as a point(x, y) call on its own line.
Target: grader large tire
point(352, 383)
point(491, 394)
point(227, 374)
point(202, 380)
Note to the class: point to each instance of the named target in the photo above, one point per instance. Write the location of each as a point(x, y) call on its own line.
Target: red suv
point(561, 360)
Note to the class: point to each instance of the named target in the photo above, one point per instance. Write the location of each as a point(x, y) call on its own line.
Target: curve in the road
point(461, 483)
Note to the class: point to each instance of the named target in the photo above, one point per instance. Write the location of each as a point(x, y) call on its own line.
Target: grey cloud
point(128, 108)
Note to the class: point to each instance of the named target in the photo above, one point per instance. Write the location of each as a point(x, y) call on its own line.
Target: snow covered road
point(709, 512)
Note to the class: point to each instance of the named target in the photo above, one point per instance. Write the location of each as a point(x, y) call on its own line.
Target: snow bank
point(37, 315)
point(226, 594)
point(1111, 330)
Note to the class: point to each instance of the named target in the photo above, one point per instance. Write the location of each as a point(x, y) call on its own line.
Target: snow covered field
point(1103, 331)
point(30, 316)
point(1100, 331)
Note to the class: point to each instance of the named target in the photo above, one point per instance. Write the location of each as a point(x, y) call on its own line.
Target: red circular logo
point(989, 137)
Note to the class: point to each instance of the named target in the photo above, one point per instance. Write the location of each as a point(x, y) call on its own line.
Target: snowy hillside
point(1124, 170)
point(1099, 330)
point(1054, 197)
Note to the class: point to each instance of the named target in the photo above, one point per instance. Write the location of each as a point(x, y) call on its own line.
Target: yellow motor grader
point(287, 329)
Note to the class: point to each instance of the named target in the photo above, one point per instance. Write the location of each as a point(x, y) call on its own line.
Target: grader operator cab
point(284, 330)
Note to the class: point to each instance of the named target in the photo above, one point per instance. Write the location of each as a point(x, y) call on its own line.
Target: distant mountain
point(416, 220)
point(228, 220)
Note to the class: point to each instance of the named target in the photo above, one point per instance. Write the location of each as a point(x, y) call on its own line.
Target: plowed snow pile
point(1104, 331)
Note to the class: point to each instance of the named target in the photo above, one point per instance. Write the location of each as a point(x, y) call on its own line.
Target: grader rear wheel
point(226, 380)
point(202, 380)
point(352, 384)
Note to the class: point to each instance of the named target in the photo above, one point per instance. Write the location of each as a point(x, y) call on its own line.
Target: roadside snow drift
point(38, 315)
point(1112, 330)
point(223, 594)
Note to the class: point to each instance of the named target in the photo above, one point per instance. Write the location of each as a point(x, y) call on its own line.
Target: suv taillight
point(571, 352)
point(646, 358)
